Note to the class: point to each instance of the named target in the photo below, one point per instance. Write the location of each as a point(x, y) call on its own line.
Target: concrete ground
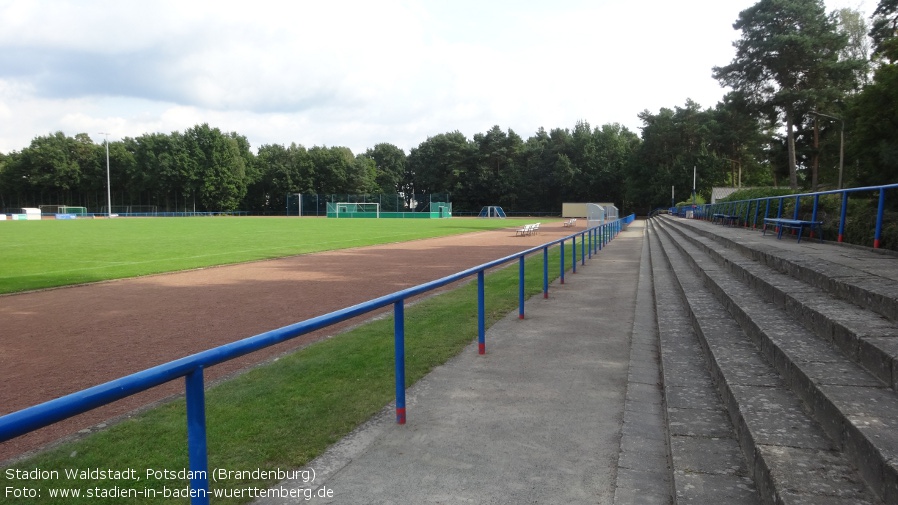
point(537, 419)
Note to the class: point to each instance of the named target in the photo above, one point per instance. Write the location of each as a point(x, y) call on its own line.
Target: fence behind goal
point(63, 209)
point(429, 205)
point(353, 209)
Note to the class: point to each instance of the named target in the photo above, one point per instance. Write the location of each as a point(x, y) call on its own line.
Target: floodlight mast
point(108, 187)
point(841, 143)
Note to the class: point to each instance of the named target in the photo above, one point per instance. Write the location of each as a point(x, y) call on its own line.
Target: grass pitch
point(43, 254)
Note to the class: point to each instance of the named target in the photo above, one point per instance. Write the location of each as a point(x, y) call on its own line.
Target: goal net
point(353, 209)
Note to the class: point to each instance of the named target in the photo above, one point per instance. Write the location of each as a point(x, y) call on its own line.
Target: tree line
point(801, 81)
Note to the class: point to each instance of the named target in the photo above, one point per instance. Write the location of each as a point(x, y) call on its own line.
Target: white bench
point(526, 230)
point(570, 223)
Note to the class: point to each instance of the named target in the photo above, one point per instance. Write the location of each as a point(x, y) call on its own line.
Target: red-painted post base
point(546, 295)
point(481, 348)
point(876, 244)
point(400, 415)
point(840, 238)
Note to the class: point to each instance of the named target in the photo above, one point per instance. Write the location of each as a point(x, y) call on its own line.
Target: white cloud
point(352, 73)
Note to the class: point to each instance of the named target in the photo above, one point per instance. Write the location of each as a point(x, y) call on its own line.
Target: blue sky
point(354, 73)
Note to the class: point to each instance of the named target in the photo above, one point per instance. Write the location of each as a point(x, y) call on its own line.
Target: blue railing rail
point(191, 367)
point(751, 214)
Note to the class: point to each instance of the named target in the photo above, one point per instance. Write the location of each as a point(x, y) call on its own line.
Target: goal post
point(353, 209)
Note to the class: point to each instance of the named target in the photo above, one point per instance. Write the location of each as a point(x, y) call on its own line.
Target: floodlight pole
point(108, 187)
point(841, 143)
point(739, 164)
point(694, 180)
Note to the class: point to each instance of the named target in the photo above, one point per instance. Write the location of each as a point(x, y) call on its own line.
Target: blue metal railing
point(750, 210)
point(191, 367)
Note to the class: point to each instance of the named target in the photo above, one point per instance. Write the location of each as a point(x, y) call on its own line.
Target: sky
point(355, 73)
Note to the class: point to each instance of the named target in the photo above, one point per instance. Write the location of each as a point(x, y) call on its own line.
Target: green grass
point(286, 413)
point(42, 254)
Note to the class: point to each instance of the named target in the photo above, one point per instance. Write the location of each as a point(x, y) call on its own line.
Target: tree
point(392, 168)
point(48, 169)
point(363, 176)
point(854, 26)
point(441, 164)
point(738, 140)
point(788, 62)
point(884, 31)
point(164, 169)
point(220, 167)
point(615, 146)
point(674, 143)
point(494, 175)
point(874, 134)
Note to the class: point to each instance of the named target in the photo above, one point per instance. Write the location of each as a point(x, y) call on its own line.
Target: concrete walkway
point(538, 419)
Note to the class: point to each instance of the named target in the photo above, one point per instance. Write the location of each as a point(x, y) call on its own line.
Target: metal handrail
point(191, 367)
point(744, 208)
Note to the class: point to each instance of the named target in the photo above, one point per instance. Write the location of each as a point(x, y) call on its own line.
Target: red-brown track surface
point(59, 341)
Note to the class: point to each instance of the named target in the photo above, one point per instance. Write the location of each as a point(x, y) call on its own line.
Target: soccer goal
point(353, 209)
point(63, 209)
point(492, 211)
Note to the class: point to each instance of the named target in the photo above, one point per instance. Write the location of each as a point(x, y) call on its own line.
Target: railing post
point(754, 223)
point(814, 216)
point(481, 314)
point(843, 215)
point(574, 253)
point(583, 249)
point(399, 345)
point(546, 272)
point(562, 262)
point(521, 287)
point(589, 247)
point(196, 436)
point(879, 214)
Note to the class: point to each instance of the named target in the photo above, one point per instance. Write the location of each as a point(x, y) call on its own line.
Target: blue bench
point(725, 219)
point(793, 224)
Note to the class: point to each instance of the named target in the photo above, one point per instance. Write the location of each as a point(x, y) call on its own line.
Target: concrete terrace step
point(857, 411)
point(864, 336)
point(707, 463)
point(790, 456)
point(858, 275)
point(643, 468)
